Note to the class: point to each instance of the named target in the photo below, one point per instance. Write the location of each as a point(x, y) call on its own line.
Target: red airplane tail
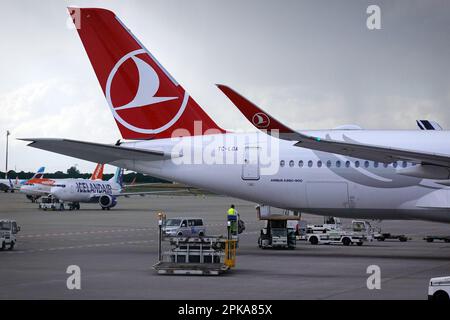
point(145, 100)
point(98, 172)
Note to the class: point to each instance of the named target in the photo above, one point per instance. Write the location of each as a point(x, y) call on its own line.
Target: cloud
point(313, 65)
point(54, 108)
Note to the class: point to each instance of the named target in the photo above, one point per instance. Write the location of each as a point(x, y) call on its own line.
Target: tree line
point(73, 172)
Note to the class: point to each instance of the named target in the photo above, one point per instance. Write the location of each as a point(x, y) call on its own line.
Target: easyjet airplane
point(346, 172)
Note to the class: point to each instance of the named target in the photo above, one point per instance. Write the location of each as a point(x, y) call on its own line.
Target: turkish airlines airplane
point(15, 184)
point(346, 172)
point(40, 186)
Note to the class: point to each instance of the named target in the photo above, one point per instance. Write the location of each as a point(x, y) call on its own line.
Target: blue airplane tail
point(118, 177)
point(39, 174)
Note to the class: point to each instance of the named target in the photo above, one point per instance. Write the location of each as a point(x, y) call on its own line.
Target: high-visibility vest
point(231, 212)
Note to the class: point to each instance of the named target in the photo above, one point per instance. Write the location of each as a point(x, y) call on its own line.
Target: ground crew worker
point(232, 216)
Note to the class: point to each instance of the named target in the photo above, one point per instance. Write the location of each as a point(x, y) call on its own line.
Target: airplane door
point(250, 167)
point(327, 195)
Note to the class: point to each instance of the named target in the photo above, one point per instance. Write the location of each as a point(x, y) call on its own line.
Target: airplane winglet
point(258, 117)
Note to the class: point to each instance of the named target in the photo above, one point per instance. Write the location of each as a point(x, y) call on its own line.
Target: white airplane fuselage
point(84, 190)
point(305, 180)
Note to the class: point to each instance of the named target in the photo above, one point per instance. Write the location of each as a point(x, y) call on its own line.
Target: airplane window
point(395, 164)
point(300, 163)
point(375, 164)
point(291, 163)
point(328, 163)
point(282, 163)
point(338, 164)
point(310, 163)
point(347, 164)
point(404, 164)
point(356, 164)
point(366, 164)
point(319, 164)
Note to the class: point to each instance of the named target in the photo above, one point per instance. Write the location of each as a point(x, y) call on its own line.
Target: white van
point(184, 227)
point(439, 289)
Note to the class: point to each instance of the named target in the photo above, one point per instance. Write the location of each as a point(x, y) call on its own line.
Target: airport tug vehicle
point(51, 203)
point(337, 237)
point(332, 232)
point(439, 289)
point(8, 231)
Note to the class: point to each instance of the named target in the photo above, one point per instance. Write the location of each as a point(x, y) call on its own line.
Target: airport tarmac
point(116, 250)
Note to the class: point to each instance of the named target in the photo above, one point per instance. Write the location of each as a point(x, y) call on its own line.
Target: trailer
point(389, 236)
point(195, 255)
point(437, 238)
point(209, 255)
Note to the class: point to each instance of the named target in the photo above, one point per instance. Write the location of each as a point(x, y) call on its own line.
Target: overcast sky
point(312, 64)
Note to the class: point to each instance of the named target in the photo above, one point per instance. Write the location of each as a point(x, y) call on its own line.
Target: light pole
point(6, 166)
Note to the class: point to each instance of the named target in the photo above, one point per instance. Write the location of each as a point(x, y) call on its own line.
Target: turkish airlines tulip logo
point(145, 105)
point(261, 120)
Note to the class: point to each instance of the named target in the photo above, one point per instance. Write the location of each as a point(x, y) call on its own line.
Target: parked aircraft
point(37, 187)
point(347, 172)
point(105, 193)
point(90, 190)
point(14, 184)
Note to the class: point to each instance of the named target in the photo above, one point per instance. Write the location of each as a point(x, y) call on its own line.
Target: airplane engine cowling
point(107, 201)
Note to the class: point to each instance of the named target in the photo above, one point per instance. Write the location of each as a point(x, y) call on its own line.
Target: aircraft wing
point(96, 152)
point(146, 193)
point(263, 121)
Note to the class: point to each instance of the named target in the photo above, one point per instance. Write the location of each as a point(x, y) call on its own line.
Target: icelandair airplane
point(90, 190)
point(105, 193)
point(15, 184)
point(37, 187)
point(346, 172)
